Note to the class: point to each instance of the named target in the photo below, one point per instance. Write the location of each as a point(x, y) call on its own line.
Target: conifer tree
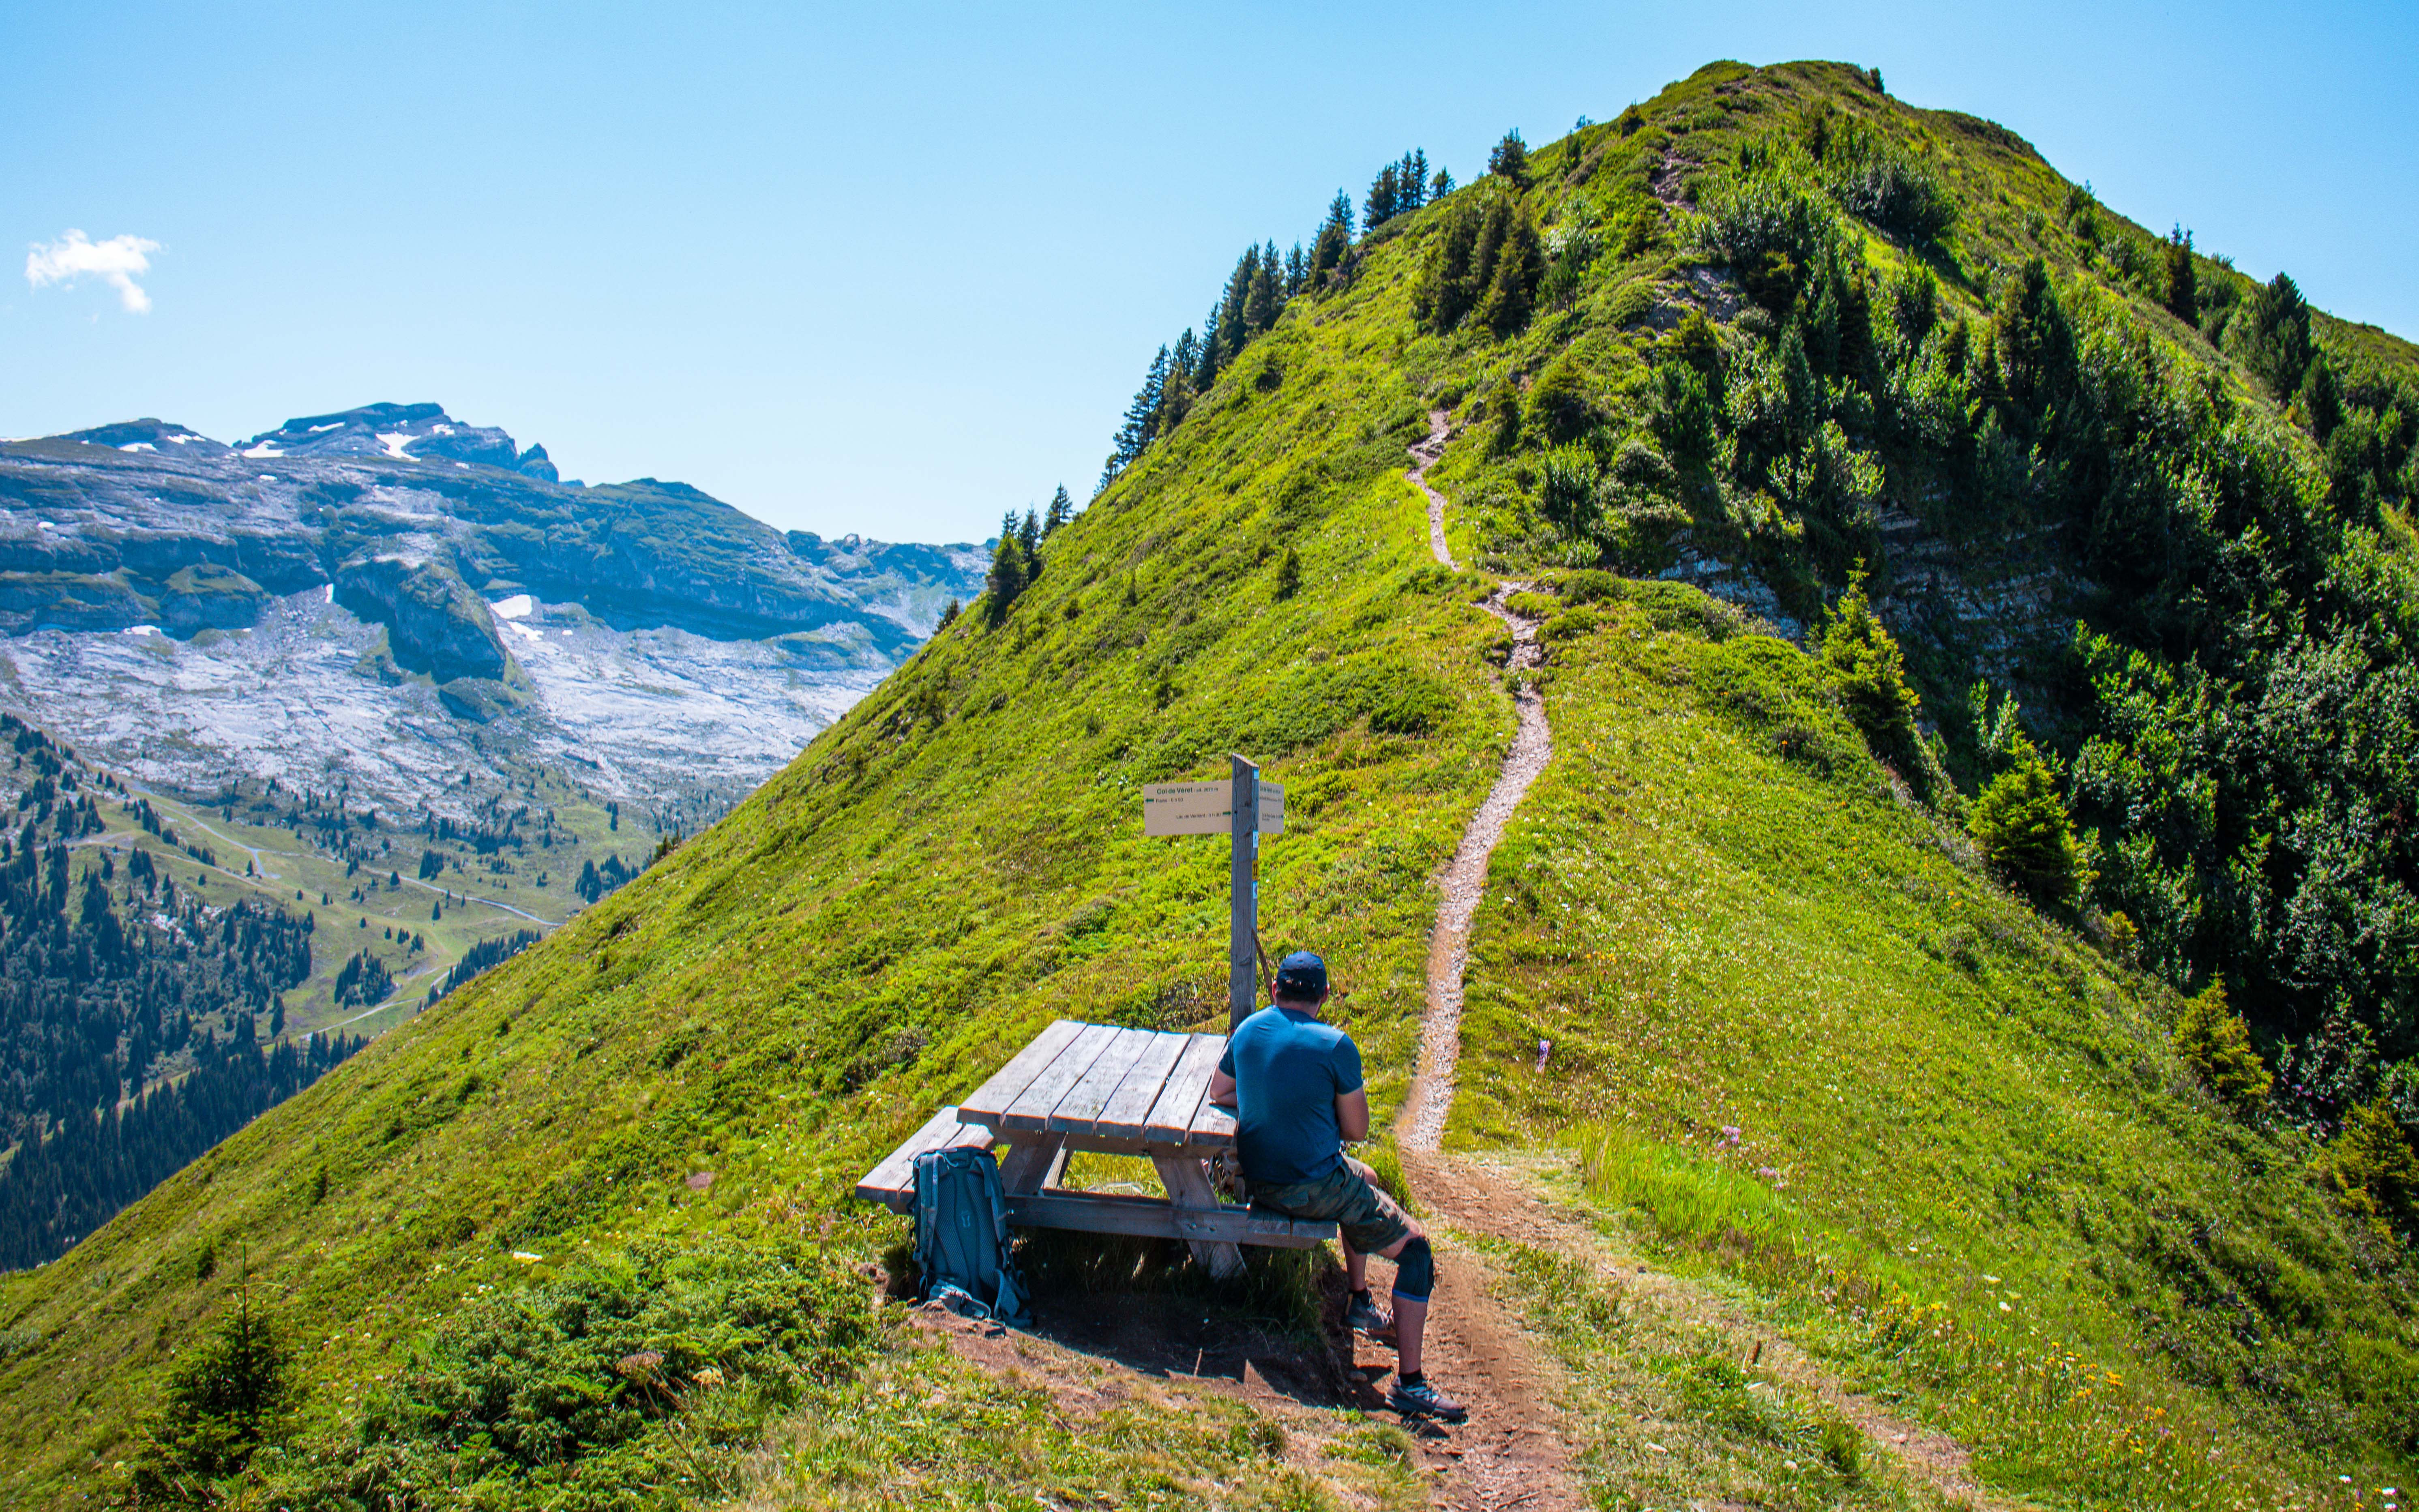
point(1297, 271)
point(1520, 267)
point(1134, 433)
point(1510, 160)
point(2182, 293)
point(2023, 829)
point(1334, 237)
point(2280, 344)
point(2212, 1039)
point(1440, 185)
point(1385, 192)
point(2374, 1169)
point(1028, 540)
point(1414, 179)
point(1205, 371)
point(1260, 306)
point(1011, 570)
point(1233, 328)
point(1867, 669)
point(1062, 509)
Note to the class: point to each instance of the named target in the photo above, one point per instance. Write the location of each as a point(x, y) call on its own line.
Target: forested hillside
point(1953, 971)
point(112, 981)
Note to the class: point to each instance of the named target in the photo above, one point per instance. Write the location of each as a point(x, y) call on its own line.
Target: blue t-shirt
point(1288, 1070)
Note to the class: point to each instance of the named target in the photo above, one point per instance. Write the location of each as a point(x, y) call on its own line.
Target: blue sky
point(894, 268)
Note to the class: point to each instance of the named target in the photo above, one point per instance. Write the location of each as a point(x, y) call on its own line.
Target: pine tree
point(1385, 191)
point(1520, 267)
point(1867, 670)
point(1334, 237)
point(2183, 294)
point(1062, 509)
point(1134, 433)
point(1028, 537)
point(221, 1402)
point(1297, 271)
point(1440, 185)
point(1415, 180)
point(1233, 328)
point(1510, 160)
point(2023, 829)
point(2280, 345)
point(1205, 371)
point(2375, 1170)
point(2212, 1039)
point(1011, 568)
point(1261, 305)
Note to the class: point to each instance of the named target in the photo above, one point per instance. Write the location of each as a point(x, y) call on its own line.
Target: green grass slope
point(1966, 1168)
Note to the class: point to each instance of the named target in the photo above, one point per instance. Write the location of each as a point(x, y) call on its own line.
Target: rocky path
point(1515, 1451)
point(1464, 884)
point(1512, 1453)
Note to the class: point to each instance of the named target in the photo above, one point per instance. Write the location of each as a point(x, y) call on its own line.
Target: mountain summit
point(1845, 714)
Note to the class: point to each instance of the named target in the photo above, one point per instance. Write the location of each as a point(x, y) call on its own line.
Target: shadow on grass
point(1149, 1306)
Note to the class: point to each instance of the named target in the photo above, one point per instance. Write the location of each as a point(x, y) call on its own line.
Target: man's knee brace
point(1414, 1272)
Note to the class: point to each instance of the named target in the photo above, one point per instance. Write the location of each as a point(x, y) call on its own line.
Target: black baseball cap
point(1301, 977)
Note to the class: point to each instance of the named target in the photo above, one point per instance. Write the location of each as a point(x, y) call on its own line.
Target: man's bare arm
point(1221, 1089)
point(1352, 1115)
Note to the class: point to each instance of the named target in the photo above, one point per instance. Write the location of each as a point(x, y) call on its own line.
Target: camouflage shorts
point(1346, 1197)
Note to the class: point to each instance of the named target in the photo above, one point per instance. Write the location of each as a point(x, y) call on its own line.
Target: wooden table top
point(1102, 1082)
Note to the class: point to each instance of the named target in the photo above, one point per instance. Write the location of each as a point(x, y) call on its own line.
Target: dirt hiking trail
point(1518, 1452)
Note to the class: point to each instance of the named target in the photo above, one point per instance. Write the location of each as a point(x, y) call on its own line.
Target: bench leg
point(1189, 1187)
point(1034, 1164)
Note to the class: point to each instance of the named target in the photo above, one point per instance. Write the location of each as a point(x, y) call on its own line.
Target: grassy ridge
point(1945, 1139)
point(1712, 934)
point(956, 863)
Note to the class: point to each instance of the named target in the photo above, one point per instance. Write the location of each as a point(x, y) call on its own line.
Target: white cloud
point(116, 261)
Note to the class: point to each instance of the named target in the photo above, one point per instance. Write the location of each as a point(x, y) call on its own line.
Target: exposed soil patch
point(1666, 178)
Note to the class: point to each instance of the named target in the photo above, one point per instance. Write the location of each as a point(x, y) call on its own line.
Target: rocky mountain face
point(390, 599)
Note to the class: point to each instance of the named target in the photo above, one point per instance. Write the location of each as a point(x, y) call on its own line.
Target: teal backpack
point(962, 1242)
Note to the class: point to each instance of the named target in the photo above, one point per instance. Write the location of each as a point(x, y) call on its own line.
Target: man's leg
point(1411, 1314)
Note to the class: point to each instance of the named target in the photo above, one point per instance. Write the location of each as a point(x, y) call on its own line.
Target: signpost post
point(1243, 808)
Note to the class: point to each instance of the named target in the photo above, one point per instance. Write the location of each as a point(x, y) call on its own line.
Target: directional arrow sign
point(1205, 809)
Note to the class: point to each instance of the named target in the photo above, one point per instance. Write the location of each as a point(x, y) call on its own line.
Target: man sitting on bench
point(1294, 1085)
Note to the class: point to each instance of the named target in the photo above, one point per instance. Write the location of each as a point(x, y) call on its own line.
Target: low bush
point(635, 1379)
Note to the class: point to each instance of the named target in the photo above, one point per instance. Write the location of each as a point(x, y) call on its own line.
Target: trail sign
point(1206, 809)
point(1243, 808)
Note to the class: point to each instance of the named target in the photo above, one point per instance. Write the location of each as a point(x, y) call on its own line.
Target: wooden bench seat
point(892, 1183)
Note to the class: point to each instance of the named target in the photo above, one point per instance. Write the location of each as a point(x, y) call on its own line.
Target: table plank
point(1171, 1118)
point(1212, 1125)
point(1083, 1102)
point(1033, 1106)
point(991, 1098)
point(1122, 1117)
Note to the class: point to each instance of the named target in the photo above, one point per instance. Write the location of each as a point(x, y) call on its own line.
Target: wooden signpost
point(1242, 808)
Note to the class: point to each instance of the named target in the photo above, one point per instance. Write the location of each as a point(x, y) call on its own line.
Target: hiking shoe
point(1421, 1400)
point(1363, 1316)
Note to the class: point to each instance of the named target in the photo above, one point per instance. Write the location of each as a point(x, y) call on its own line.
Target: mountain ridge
point(1753, 989)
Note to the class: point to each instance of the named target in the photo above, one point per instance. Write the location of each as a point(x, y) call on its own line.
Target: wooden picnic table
point(1096, 1087)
